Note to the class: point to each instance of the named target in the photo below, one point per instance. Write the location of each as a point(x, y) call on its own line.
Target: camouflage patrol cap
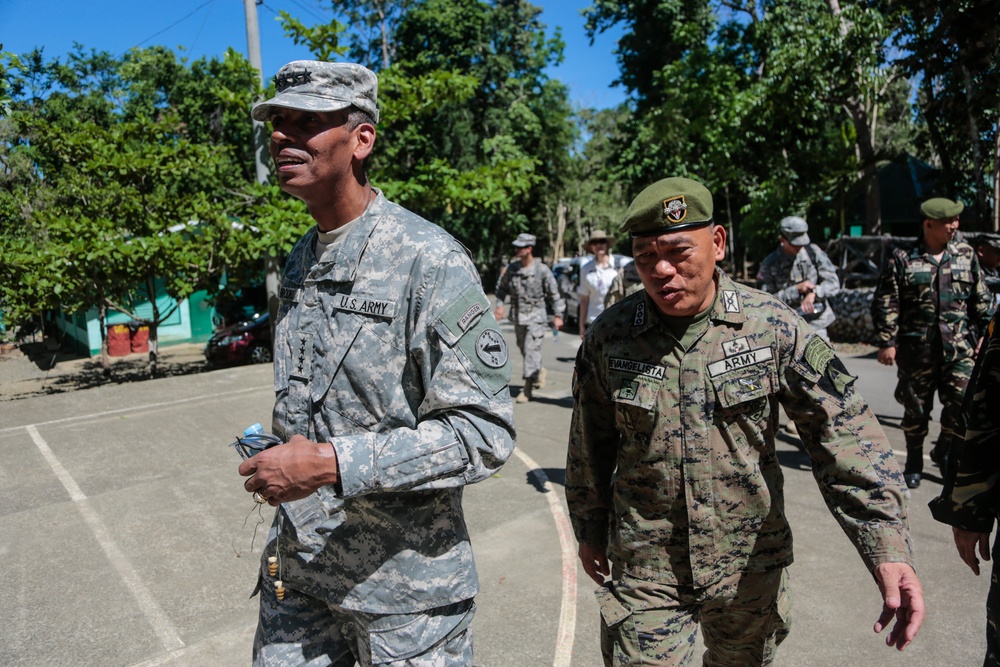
point(940, 208)
point(523, 240)
point(669, 205)
point(795, 230)
point(314, 85)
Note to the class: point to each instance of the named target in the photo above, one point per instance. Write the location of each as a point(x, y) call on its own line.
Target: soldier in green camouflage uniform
point(969, 501)
point(625, 283)
point(672, 479)
point(929, 305)
point(532, 289)
point(391, 394)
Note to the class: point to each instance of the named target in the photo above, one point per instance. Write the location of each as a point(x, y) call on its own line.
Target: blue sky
point(207, 27)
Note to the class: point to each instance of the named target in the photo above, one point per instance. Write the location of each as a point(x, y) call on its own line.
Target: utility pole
point(261, 156)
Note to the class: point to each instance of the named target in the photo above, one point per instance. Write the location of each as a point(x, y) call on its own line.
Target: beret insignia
point(675, 209)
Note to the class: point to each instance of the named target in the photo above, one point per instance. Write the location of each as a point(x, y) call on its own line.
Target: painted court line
point(567, 615)
point(156, 617)
point(137, 408)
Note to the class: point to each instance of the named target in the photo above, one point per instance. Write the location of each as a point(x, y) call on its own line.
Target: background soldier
point(626, 282)
point(532, 289)
point(672, 479)
point(801, 275)
point(929, 307)
point(391, 395)
point(969, 501)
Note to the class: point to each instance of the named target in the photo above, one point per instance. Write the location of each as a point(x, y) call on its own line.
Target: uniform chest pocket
point(744, 393)
point(961, 283)
point(635, 398)
point(919, 277)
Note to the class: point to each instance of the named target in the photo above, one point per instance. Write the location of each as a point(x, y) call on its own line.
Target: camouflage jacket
point(780, 273)
point(920, 304)
point(626, 282)
point(531, 290)
point(969, 499)
point(672, 464)
point(388, 349)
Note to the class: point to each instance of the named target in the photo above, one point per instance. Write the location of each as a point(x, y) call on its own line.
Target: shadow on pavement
point(554, 475)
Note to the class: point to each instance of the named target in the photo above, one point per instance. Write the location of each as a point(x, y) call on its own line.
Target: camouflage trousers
point(301, 630)
point(915, 391)
point(529, 341)
point(743, 618)
point(993, 613)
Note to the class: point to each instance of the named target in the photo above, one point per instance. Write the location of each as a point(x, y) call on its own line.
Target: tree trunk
point(977, 147)
point(153, 326)
point(557, 246)
point(102, 311)
point(865, 144)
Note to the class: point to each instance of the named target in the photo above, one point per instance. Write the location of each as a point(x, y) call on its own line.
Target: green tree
point(130, 176)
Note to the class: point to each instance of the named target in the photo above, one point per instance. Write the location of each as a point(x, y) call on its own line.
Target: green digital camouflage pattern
point(921, 305)
point(744, 618)
point(533, 294)
point(780, 273)
point(388, 349)
point(672, 465)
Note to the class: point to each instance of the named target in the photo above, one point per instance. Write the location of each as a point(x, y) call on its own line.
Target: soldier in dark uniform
point(672, 478)
point(930, 302)
point(969, 500)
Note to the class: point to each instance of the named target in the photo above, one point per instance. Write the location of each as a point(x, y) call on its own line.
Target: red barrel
point(140, 339)
point(119, 340)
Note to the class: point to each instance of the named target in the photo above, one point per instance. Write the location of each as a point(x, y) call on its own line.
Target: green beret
point(940, 208)
point(669, 205)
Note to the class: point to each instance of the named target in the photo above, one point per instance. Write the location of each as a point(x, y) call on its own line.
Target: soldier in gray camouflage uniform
point(801, 275)
point(969, 501)
point(930, 304)
point(532, 289)
point(672, 479)
point(391, 394)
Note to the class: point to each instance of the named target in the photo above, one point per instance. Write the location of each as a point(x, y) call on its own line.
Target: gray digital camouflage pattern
point(388, 349)
point(672, 465)
point(780, 273)
point(533, 294)
point(932, 312)
point(969, 499)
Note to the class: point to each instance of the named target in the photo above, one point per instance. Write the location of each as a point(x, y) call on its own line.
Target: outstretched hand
point(903, 598)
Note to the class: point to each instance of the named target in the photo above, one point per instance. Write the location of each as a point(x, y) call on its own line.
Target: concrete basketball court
point(126, 537)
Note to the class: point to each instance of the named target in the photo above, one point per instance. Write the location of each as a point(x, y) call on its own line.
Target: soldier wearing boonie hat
point(929, 308)
point(382, 313)
point(534, 293)
point(671, 472)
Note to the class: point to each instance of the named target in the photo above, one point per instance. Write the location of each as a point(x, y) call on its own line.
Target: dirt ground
point(32, 370)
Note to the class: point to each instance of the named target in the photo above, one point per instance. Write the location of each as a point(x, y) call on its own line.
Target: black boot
point(914, 463)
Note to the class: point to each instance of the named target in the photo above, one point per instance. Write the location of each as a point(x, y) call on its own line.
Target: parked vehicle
point(246, 342)
point(567, 273)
